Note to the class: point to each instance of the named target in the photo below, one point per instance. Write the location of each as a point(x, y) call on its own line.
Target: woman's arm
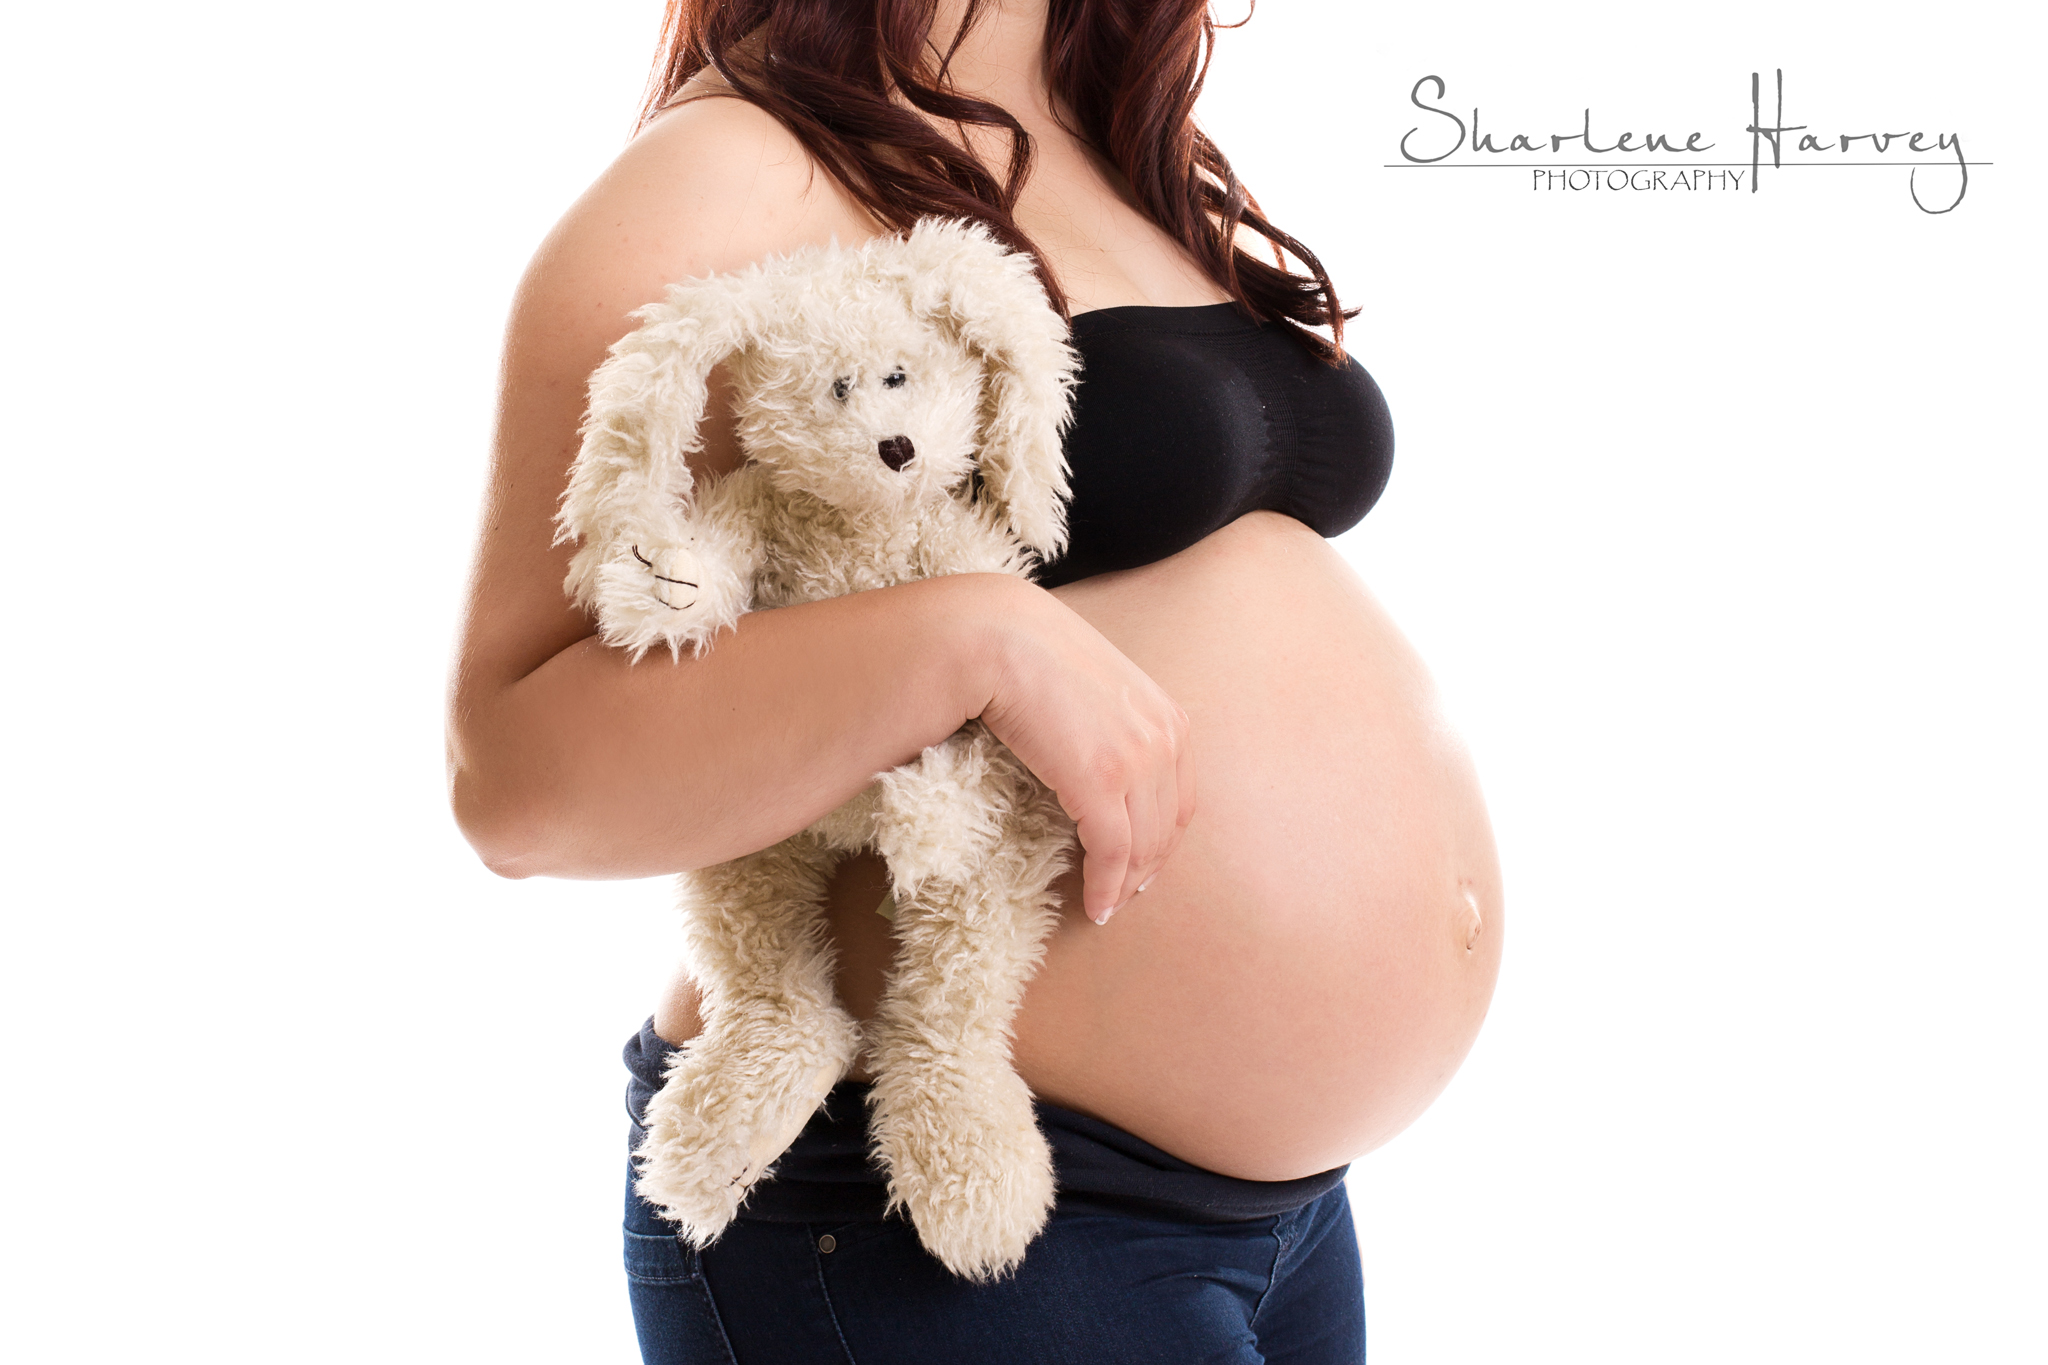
point(567, 761)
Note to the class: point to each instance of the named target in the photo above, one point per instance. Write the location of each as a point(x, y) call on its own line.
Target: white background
point(1716, 516)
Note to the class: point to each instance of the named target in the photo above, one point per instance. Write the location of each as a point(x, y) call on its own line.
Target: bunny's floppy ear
point(985, 295)
point(631, 482)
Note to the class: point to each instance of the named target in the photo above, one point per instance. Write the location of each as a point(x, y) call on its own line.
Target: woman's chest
point(1187, 419)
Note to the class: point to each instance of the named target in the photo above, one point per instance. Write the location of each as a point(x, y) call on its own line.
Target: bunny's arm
point(652, 566)
point(687, 580)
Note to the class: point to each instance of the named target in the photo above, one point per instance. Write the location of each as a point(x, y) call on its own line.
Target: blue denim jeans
point(1097, 1288)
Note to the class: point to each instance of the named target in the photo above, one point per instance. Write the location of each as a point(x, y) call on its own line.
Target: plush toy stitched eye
point(896, 379)
point(841, 387)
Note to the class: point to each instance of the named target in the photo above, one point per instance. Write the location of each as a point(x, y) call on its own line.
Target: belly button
point(1473, 923)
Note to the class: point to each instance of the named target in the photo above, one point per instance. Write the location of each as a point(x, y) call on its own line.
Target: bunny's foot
point(967, 1161)
point(720, 1122)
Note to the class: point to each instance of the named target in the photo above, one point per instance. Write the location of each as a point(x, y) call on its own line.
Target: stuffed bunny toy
point(900, 406)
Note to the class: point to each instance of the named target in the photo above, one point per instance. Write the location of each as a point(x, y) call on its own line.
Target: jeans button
point(828, 1243)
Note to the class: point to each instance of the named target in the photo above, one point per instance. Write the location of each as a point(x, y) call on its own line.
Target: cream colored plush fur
point(900, 407)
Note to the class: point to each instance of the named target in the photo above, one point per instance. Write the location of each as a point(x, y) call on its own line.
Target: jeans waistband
point(826, 1176)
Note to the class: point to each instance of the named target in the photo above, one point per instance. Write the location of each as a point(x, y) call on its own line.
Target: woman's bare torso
point(1314, 961)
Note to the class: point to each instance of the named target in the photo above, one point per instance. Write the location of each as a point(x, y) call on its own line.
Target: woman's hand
point(1093, 727)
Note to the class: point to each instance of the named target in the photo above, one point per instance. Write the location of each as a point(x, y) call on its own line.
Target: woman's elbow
point(529, 822)
point(504, 822)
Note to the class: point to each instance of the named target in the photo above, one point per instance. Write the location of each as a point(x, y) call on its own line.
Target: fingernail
point(1147, 885)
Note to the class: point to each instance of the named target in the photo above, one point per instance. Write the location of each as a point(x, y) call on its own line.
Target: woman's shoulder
point(716, 154)
point(709, 185)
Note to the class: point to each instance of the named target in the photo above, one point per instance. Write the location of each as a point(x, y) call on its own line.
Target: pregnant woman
point(1247, 991)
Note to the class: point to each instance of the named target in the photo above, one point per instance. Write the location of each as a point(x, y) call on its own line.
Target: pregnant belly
point(1310, 967)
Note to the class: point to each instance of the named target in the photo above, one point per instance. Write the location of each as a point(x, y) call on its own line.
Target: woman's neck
point(1002, 59)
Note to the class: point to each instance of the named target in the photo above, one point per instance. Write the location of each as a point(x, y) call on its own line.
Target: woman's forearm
point(590, 766)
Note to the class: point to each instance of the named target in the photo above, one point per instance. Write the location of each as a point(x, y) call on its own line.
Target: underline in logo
point(1667, 165)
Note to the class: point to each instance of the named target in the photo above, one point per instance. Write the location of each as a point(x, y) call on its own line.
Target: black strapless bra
point(1188, 418)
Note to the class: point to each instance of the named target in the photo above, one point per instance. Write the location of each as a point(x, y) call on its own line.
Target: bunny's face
point(861, 406)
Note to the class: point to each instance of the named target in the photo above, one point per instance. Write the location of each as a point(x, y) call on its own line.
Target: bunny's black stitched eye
point(841, 387)
point(896, 379)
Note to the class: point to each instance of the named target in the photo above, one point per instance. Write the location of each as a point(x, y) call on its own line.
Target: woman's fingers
point(1174, 796)
point(1152, 784)
point(1105, 860)
point(1152, 806)
point(1184, 785)
point(1139, 803)
point(1125, 820)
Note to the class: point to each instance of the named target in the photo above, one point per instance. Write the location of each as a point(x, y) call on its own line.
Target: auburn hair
point(1128, 70)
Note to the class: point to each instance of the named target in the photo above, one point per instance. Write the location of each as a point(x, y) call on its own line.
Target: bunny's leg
point(973, 844)
point(775, 1038)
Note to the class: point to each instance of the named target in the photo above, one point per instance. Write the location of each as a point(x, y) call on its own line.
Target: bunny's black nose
point(897, 452)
